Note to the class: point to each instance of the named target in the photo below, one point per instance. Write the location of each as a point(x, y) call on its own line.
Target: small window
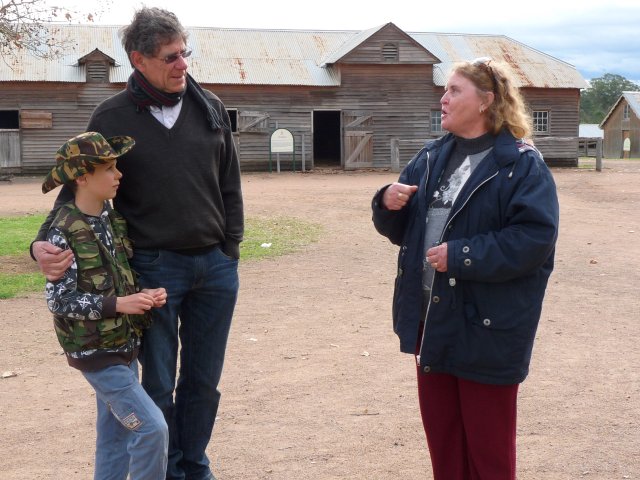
point(540, 121)
point(233, 117)
point(9, 120)
point(625, 112)
point(390, 52)
point(436, 121)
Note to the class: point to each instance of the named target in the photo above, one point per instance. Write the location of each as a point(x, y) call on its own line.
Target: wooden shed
point(344, 95)
point(622, 122)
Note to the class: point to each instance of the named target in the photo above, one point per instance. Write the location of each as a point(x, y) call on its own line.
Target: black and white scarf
point(143, 94)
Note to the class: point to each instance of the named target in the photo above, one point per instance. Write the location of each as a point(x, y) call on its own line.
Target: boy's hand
point(52, 260)
point(137, 303)
point(159, 295)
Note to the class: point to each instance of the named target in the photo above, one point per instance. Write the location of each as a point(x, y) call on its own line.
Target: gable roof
point(286, 57)
point(360, 38)
point(96, 54)
point(530, 67)
point(632, 98)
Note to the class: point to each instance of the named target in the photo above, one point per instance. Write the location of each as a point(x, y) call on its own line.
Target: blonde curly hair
point(508, 109)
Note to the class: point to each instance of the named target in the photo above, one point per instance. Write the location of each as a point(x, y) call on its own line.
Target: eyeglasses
point(485, 62)
point(169, 59)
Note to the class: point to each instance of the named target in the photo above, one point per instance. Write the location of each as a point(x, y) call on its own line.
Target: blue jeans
point(131, 432)
point(201, 293)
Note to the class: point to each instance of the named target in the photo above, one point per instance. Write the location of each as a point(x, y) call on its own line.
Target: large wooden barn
point(344, 95)
point(622, 122)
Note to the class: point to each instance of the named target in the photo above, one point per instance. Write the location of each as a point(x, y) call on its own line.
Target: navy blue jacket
point(501, 233)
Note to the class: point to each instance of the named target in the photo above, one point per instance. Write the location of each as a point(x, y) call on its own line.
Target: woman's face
point(461, 108)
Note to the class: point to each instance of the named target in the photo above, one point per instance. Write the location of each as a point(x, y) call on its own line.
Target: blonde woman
point(475, 214)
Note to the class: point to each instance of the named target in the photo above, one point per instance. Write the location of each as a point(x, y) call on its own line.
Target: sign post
point(282, 141)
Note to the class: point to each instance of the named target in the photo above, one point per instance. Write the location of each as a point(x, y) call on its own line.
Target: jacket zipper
point(452, 281)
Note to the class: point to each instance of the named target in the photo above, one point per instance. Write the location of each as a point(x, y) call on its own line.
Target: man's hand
point(397, 195)
point(52, 260)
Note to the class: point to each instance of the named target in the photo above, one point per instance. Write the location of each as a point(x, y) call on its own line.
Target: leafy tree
point(30, 25)
point(597, 100)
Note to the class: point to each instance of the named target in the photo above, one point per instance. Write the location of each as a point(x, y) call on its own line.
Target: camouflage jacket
point(101, 271)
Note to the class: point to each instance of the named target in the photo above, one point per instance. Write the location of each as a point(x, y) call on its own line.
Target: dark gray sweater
point(181, 186)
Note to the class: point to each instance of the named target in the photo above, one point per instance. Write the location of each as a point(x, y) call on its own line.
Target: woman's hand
point(397, 195)
point(437, 257)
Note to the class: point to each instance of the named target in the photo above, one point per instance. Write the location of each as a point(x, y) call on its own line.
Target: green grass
point(16, 234)
point(12, 284)
point(285, 234)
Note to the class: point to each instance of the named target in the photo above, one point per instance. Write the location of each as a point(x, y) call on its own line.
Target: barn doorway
point(10, 155)
point(326, 138)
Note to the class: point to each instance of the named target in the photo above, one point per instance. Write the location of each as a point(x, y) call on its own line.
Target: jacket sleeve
point(63, 296)
point(392, 223)
point(231, 190)
point(65, 195)
point(388, 223)
point(528, 235)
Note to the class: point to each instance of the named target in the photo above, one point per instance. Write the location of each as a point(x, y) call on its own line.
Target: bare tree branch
point(30, 25)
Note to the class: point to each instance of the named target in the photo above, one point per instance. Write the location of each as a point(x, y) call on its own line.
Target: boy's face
point(103, 182)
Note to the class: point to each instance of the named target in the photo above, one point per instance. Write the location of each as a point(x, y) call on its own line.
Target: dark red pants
point(470, 427)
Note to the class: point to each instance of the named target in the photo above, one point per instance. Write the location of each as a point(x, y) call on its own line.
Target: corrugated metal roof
point(530, 67)
point(79, 40)
point(264, 57)
point(632, 98)
point(590, 130)
point(285, 57)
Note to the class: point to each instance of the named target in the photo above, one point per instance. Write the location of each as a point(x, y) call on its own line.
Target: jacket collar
point(505, 149)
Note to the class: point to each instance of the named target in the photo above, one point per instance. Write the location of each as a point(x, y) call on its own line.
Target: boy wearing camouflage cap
point(99, 312)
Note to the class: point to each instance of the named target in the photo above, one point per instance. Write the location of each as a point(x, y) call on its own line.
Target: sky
point(597, 37)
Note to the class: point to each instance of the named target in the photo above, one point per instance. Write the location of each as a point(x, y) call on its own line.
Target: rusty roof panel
point(250, 71)
point(530, 67)
point(79, 40)
point(264, 57)
point(284, 57)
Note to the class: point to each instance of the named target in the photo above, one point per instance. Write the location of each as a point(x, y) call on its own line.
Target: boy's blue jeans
point(131, 434)
point(201, 291)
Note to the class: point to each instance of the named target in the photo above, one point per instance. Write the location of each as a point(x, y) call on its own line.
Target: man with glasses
point(181, 196)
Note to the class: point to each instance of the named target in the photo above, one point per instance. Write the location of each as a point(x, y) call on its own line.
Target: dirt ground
point(314, 386)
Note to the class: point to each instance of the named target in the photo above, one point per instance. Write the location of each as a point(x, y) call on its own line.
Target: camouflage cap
point(89, 148)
